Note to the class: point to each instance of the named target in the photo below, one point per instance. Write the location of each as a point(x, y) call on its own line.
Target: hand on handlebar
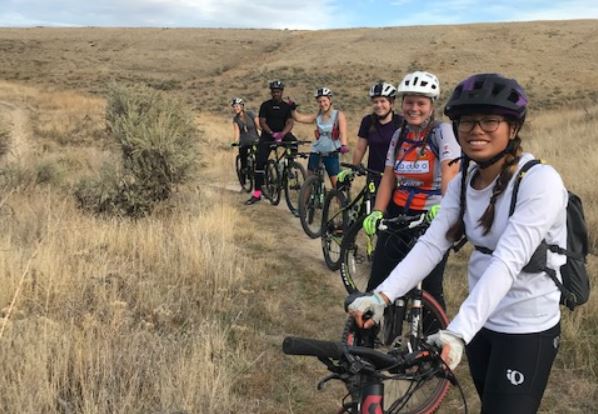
point(277, 136)
point(343, 149)
point(344, 174)
point(362, 305)
point(452, 345)
point(370, 223)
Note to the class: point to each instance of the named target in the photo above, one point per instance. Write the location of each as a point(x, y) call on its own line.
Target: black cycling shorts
point(510, 371)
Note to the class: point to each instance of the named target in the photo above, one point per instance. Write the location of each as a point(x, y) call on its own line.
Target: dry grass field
point(185, 311)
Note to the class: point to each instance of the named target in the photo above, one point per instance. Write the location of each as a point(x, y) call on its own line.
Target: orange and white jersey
point(416, 165)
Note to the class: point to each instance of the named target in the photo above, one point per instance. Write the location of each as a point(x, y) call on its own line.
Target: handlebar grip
point(293, 345)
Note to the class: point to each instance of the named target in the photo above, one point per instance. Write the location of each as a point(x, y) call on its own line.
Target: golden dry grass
point(184, 312)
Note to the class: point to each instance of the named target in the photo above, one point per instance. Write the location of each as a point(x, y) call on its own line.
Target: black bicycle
point(311, 199)
point(390, 365)
point(340, 212)
point(246, 175)
point(357, 248)
point(282, 171)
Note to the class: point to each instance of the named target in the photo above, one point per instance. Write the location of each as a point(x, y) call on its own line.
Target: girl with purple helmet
point(509, 324)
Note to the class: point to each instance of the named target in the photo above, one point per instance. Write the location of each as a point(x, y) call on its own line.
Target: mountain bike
point(340, 212)
point(357, 248)
point(400, 371)
point(311, 199)
point(283, 172)
point(246, 175)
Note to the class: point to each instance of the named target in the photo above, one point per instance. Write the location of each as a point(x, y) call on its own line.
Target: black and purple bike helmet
point(487, 93)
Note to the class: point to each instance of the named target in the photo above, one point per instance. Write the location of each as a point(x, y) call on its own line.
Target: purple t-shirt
point(378, 137)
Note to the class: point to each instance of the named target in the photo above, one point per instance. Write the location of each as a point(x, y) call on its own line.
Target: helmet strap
point(509, 149)
point(385, 115)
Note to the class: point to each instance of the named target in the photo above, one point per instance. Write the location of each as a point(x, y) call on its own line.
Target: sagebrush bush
point(4, 142)
point(158, 139)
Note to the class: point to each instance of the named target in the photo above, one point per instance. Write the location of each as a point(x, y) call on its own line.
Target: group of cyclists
point(460, 174)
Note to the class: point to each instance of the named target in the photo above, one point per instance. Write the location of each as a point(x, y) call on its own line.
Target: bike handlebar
point(360, 169)
point(405, 220)
point(288, 143)
point(293, 345)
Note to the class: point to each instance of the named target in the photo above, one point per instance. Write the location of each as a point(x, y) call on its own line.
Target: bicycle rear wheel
point(271, 186)
point(311, 201)
point(245, 179)
point(295, 177)
point(334, 220)
point(357, 255)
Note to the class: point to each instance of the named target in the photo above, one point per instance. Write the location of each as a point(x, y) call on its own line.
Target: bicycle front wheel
point(334, 219)
point(424, 393)
point(357, 256)
point(245, 179)
point(421, 392)
point(272, 183)
point(311, 201)
point(295, 177)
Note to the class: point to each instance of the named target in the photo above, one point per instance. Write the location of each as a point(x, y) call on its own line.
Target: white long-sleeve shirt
point(501, 297)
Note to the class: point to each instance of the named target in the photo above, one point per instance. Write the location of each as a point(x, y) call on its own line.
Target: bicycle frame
point(285, 158)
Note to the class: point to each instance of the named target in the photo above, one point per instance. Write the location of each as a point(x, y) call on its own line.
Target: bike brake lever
point(327, 378)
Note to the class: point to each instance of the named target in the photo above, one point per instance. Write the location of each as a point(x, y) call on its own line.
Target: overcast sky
point(294, 14)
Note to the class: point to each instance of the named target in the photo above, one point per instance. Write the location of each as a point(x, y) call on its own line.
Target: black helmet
point(276, 84)
point(487, 92)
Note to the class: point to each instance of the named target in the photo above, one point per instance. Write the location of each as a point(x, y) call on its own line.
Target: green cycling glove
point(344, 174)
point(432, 213)
point(370, 224)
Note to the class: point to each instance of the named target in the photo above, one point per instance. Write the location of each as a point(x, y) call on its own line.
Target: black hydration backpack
point(575, 288)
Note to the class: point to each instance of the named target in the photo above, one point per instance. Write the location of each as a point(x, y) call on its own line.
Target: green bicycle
point(340, 212)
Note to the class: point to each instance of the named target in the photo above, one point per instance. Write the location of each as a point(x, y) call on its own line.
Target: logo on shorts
point(515, 377)
point(556, 341)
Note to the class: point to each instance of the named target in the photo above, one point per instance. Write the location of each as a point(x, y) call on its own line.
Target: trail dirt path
point(20, 132)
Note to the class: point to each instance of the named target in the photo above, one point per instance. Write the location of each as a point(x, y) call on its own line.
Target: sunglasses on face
point(487, 124)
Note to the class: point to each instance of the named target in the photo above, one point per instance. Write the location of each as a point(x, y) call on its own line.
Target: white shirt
point(501, 297)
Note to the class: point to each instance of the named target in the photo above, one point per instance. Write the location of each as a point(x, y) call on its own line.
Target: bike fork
point(415, 316)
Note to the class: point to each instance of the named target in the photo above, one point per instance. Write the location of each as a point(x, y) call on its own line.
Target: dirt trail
point(309, 298)
point(20, 131)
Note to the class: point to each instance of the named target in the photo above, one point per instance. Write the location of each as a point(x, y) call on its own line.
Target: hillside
point(555, 60)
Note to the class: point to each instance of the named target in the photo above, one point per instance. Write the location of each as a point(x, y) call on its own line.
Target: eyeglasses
point(487, 124)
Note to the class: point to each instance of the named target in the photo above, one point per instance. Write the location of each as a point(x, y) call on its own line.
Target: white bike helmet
point(420, 83)
point(383, 89)
point(323, 92)
point(237, 101)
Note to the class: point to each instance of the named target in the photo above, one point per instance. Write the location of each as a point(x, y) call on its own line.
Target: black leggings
point(263, 152)
point(243, 153)
point(510, 371)
point(392, 248)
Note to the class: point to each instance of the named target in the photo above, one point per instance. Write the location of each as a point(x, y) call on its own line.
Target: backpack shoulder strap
point(431, 142)
point(335, 117)
point(522, 171)
point(397, 121)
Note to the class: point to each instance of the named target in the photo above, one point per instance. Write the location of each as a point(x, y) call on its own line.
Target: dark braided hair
point(508, 169)
point(457, 230)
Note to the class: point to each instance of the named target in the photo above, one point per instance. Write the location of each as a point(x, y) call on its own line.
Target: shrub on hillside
point(4, 142)
point(158, 141)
